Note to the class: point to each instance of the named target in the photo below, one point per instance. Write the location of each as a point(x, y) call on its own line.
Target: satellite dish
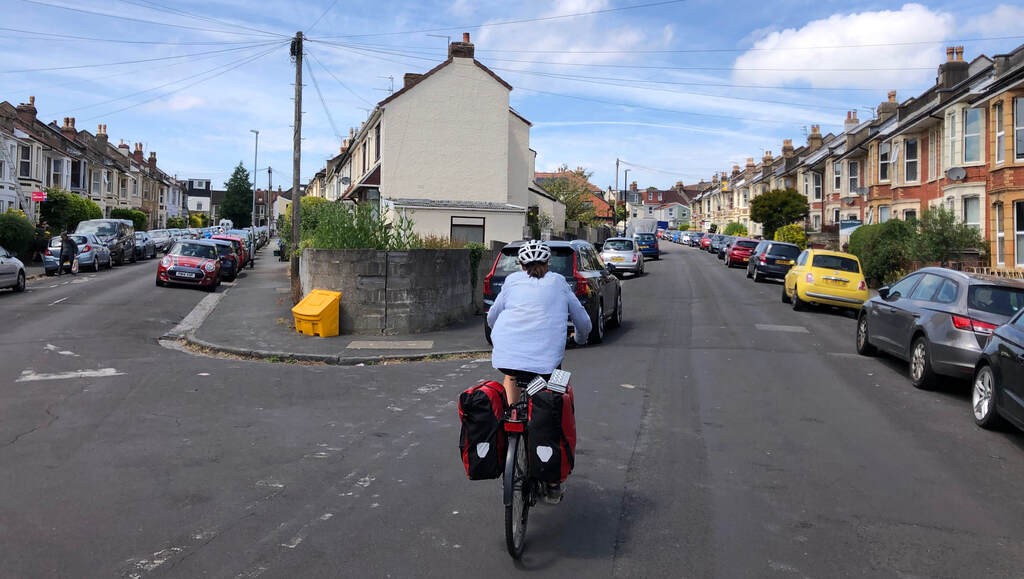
point(345, 180)
point(956, 173)
point(863, 191)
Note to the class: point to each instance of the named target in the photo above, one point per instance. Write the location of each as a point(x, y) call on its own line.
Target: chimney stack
point(27, 111)
point(101, 135)
point(851, 121)
point(954, 71)
point(68, 130)
point(137, 153)
point(814, 139)
point(888, 108)
point(152, 160)
point(750, 165)
point(787, 148)
point(462, 49)
point(767, 160)
point(735, 172)
point(632, 186)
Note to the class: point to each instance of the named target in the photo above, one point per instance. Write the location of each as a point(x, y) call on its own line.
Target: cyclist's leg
point(511, 389)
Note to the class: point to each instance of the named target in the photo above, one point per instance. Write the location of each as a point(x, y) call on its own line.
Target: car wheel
point(96, 263)
point(597, 331)
point(749, 274)
point(758, 277)
point(158, 282)
point(110, 262)
point(616, 320)
point(864, 347)
point(983, 400)
point(785, 296)
point(921, 374)
point(134, 258)
point(798, 304)
point(19, 285)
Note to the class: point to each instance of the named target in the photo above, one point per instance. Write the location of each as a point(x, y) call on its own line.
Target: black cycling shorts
point(523, 377)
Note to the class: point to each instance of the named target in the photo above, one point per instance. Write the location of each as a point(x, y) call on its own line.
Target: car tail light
point(862, 285)
point(87, 248)
point(582, 288)
point(634, 258)
point(490, 275)
point(976, 326)
point(809, 277)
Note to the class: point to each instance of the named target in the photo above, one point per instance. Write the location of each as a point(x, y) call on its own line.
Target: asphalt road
point(721, 435)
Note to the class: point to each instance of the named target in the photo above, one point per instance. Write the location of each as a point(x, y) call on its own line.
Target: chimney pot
point(465, 37)
point(72, 122)
point(949, 53)
point(959, 53)
point(892, 96)
point(32, 101)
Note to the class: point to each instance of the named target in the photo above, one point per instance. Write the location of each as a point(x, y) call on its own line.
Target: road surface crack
point(53, 418)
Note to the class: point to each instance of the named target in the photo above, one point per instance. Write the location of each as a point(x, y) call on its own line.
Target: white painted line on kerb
point(32, 376)
point(58, 301)
point(774, 328)
point(197, 316)
point(388, 345)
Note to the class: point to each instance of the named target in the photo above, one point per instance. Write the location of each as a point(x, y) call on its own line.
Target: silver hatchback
point(937, 319)
point(620, 254)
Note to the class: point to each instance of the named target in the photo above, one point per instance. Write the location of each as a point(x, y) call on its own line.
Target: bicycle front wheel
point(517, 510)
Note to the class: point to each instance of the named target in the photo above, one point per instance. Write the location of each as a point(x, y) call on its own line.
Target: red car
point(239, 243)
point(705, 242)
point(190, 262)
point(739, 252)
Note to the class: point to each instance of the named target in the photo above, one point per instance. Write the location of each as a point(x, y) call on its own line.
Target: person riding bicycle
point(527, 322)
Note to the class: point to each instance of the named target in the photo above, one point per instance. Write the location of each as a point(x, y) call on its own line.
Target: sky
point(676, 90)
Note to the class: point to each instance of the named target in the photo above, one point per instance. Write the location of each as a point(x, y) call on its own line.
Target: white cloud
point(798, 50)
point(184, 102)
point(1003, 20)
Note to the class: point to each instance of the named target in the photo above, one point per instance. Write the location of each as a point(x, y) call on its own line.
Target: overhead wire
point(155, 6)
point(53, 36)
point(323, 103)
point(338, 80)
point(321, 17)
point(155, 59)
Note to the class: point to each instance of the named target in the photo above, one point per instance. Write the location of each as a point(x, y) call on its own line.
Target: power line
point(345, 86)
point(321, 17)
point(323, 103)
point(240, 63)
point(518, 21)
point(99, 65)
point(155, 6)
point(50, 36)
point(130, 19)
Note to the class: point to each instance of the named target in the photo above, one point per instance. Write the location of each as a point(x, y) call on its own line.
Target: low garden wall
point(392, 292)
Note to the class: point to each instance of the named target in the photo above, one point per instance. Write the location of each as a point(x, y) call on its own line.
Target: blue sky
point(679, 89)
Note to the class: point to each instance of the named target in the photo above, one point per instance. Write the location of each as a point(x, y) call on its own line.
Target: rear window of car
point(561, 261)
point(78, 239)
point(784, 251)
point(618, 245)
point(747, 244)
point(645, 237)
point(994, 299)
point(837, 262)
point(225, 249)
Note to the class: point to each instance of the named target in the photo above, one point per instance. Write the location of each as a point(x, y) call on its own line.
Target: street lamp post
point(625, 195)
point(255, 156)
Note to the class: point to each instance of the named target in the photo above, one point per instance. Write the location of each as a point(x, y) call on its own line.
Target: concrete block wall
point(397, 292)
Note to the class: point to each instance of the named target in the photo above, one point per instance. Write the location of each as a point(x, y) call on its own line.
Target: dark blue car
point(647, 243)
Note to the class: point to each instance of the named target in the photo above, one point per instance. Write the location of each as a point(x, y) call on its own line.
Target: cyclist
point(527, 323)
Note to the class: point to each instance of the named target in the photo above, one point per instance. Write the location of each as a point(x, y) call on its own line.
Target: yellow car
point(830, 278)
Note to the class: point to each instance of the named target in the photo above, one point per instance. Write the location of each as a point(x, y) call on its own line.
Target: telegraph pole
point(293, 247)
point(270, 189)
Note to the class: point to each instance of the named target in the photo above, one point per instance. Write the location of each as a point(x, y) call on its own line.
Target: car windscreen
point(560, 262)
point(98, 227)
point(784, 251)
point(194, 250)
point(747, 244)
point(994, 299)
point(618, 245)
point(159, 233)
point(836, 262)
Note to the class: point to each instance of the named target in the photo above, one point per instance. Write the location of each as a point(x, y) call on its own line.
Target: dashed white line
point(58, 301)
point(32, 376)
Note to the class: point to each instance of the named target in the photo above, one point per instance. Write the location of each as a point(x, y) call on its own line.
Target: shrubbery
point(62, 210)
point(138, 218)
point(176, 223)
point(792, 234)
point(326, 225)
point(735, 228)
point(16, 232)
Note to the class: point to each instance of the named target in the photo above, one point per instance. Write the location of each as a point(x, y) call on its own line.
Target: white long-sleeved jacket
point(528, 322)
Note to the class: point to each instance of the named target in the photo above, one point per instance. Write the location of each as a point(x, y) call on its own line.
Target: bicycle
point(521, 490)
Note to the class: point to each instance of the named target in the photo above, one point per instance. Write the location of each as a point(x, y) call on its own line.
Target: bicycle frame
point(515, 427)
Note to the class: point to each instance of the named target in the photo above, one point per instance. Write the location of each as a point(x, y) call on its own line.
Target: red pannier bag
point(552, 435)
point(482, 441)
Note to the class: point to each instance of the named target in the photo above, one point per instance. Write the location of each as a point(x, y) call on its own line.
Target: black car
point(145, 246)
point(117, 234)
point(228, 259)
point(939, 320)
point(716, 243)
point(724, 245)
point(998, 394)
point(595, 286)
point(772, 259)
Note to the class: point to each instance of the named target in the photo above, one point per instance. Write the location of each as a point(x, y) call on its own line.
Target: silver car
point(937, 319)
point(12, 272)
point(620, 254)
point(92, 253)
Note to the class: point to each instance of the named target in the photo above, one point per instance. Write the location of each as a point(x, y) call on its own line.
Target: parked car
point(229, 260)
point(117, 234)
point(162, 239)
point(647, 243)
point(937, 319)
point(12, 271)
point(772, 259)
point(620, 254)
point(92, 254)
point(145, 247)
point(716, 243)
point(705, 241)
point(250, 244)
point(190, 262)
point(239, 245)
point(597, 289)
point(723, 247)
point(824, 277)
point(998, 392)
point(740, 251)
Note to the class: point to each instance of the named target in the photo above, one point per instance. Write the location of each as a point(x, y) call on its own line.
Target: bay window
point(25, 162)
point(997, 111)
point(972, 211)
point(972, 135)
point(95, 190)
point(817, 186)
point(854, 168)
point(910, 161)
point(1000, 235)
point(1018, 128)
point(837, 174)
point(883, 214)
point(884, 151)
point(1018, 233)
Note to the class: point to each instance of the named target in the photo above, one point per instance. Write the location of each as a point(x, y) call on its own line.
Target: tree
point(942, 236)
point(63, 210)
point(16, 232)
point(573, 189)
point(139, 219)
point(885, 249)
point(176, 223)
point(777, 208)
point(735, 228)
point(237, 204)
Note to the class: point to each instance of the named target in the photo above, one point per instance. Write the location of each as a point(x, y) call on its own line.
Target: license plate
point(618, 259)
point(784, 261)
point(834, 282)
point(187, 274)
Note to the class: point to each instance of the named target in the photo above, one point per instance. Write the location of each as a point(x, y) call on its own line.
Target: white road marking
point(58, 301)
point(397, 345)
point(775, 328)
point(326, 516)
point(270, 483)
point(294, 542)
point(203, 374)
point(32, 376)
point(627, 386)
point(67, 353)
point(50, 347)
point(197, 316)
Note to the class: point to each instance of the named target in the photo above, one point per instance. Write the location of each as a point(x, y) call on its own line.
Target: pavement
point(252, 317)
point(720, 434)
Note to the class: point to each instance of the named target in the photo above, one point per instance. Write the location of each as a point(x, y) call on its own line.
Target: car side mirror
point(883, 292)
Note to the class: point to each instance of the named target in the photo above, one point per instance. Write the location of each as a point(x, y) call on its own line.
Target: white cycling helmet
point(534, 250)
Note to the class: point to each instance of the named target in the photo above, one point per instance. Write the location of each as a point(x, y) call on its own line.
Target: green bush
point(139, 219)
point(177, 223)
point(735, 228)
point(943, 236)
point(793, 233)
point(884, 249)
point(336, 226)
point(16, 232)
point(683, 227)
point(63, 210)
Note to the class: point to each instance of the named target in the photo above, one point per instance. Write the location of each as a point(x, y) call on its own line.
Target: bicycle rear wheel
point(517, 510)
